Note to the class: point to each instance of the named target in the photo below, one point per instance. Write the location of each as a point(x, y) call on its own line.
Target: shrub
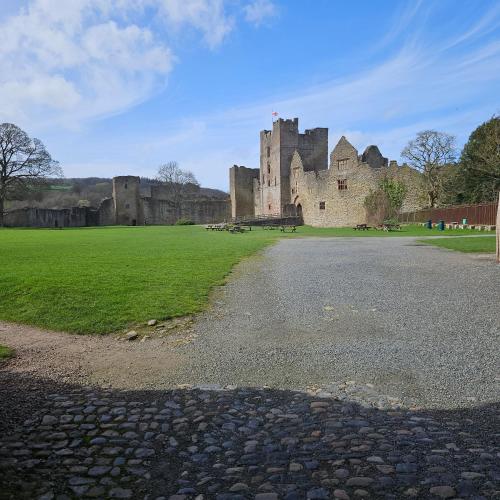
point(386, 202)
point(184, 222)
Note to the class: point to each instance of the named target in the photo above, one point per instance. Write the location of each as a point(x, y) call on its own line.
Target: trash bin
point(441, 225)
point(428, 224)
point(464, 222)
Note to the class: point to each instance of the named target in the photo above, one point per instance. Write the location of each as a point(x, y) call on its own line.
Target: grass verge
point(480, 244)
point(5, 352)
point(102, 279)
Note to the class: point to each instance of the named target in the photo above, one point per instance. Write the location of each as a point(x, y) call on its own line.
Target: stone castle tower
point(127, 204)
point(266, 191)
point(277, 147)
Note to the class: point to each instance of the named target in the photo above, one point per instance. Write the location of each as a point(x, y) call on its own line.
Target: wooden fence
point(482, 213)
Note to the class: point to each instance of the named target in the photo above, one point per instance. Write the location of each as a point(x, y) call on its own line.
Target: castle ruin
point(130, 205)
point(294, 178)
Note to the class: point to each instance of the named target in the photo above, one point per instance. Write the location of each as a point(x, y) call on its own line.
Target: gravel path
point(388, 316)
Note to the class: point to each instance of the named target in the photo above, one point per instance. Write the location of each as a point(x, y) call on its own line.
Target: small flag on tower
point(275, 113)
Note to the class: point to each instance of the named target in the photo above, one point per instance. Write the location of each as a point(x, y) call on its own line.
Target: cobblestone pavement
point(237, 443)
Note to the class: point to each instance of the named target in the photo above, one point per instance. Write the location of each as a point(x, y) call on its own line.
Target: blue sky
point(116, 87)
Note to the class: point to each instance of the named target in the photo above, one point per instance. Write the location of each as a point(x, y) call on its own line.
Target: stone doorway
point(299, 210)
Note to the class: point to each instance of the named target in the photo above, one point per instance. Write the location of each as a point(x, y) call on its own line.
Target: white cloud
point(259, 11)
point(208, 16)
point(64, 62)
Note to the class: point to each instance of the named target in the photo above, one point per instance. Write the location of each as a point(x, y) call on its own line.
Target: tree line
point(448, 178)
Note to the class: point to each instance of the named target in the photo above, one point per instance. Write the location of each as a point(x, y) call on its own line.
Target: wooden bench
point(284, 228)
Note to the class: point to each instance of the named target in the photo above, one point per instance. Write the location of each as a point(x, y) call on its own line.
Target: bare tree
point(24, 162)
point(429, 153)
point(177, 181)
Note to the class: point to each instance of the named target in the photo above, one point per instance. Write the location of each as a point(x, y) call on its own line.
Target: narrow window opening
point(268, 151)
point(269, 182)
point(342, 164)
point(321, 205)
point(268, 168)
point(269, 206)
point(127, 205)
point(126, 186)
point(275, 181)
point(342, 184)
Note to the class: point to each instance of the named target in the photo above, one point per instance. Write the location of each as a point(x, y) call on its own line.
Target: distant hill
point(89, 191)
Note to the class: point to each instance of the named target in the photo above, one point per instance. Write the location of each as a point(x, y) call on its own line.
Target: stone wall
point(313, 148)
point(241, 181)
point(46, 217)
point(206, 211)
point(164, 212)
point(106, 213)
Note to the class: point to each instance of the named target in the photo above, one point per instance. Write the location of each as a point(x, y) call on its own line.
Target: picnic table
point(291, 227)
point(239, 229)
point(216, 227)
point(361, 227)
point(386, 226)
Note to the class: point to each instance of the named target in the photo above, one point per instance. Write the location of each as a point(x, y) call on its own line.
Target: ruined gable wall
point(343, 207)
point(241, 180)
point(373, 157)
point(106, 213)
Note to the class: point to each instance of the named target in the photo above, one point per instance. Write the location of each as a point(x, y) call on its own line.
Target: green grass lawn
point(98, 280)
point(5, 352)
point(409, 230)
point(480, 244)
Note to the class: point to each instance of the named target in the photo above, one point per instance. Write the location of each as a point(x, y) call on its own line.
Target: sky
point(118, 87)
